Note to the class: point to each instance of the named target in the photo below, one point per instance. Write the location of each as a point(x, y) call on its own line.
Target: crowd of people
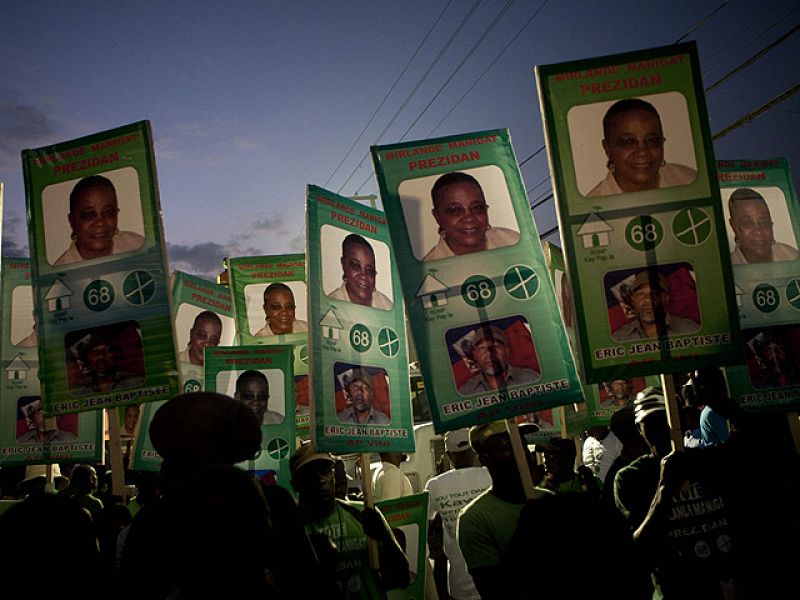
point(676, 523)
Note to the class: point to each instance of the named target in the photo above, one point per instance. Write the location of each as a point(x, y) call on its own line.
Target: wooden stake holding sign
point(520, 457)
point(115, 451)
point(369, 502)
point(673, 412)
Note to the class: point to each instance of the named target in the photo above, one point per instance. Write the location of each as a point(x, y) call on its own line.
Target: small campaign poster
point(638, 206)
point(203, 316)
point(761, 210)
point(99, 271)
point(408, 518)
point(27, 435)
point(262, 378)
point(484, 318)
point(270, 306)
point(360, 374)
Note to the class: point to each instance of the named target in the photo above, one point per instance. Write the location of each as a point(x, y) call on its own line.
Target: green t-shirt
point(485, 527)
point(353, 575)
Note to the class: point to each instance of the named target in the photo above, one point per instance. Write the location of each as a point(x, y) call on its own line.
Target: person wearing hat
point(448, 493)
point(101, 356)
point(340, 530)
point(489, 352)
point(753, 232)
point(648, 296)
point(560, 473)
point(486, 525)
point(360, 410)
point(201, 436)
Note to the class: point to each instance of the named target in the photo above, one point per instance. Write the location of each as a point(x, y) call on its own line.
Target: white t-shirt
point(448, 494)
point(390, 482)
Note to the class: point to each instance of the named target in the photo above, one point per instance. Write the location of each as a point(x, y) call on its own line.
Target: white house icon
point(331, 325)
point(432, 292)
point(594, 231)
point(17, 369)
point(58, 295)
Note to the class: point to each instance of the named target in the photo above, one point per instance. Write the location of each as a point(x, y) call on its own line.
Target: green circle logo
point(478, 291)
point(793, 293)
point(278, 448)
point(139, 287)
point(360, 338)
point(766, 298)
point(303, 354)
point(692, 226)
point(388, 342)
point(521, 282)
point(644, 233)
point(98, 295)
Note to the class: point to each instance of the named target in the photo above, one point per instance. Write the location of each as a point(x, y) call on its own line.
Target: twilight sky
point(250, 101)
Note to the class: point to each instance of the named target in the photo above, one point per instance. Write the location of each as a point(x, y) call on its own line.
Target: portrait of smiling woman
point(634, 142)
point(461, 211)
point(93, 215)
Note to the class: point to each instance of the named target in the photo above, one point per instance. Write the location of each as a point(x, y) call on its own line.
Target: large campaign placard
point(760, 205)
point(360, 378)
point(203, 316)
point(270, 307)
point(605, 398)
point(26, 435)
point(262, 378)
point(638, 206)
point(99, 264)
point(484, 318)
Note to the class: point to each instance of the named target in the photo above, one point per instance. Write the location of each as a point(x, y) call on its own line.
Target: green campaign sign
point(408, 518)
point(203, 316)
point(481, 307)
point(271, 307)
point(760, 205)
point(357, 330)
point(262, 378)
point(27, 436)
point(99, 264)
point(603, 399)
point(639, 212)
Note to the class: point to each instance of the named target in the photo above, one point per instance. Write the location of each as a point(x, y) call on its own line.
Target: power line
point(430, 68)
point(757, 112)
point(737, 37)
point(486, 70)
point(538, 184)
point(482, 37)
point(702, 21)
point(754, 58)
point(391, 89)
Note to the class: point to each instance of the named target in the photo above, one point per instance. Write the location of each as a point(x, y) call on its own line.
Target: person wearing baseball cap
point(361, 397)
point(648, 296)
point(635, 484)
point(448, 493)
point(488, 350)
point(339, 529)
point(486, 525)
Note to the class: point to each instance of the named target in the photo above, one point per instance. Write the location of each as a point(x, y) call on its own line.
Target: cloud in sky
point(23, 125)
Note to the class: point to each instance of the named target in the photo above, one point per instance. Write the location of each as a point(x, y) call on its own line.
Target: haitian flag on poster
point(760, 205)
point(202, 317)
point(262, 378)
point(602, 399)
point(99, 263)
point(638, 206)
point(360, 377)
point(26, 435)
point(484, 318)
point(272, 289)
